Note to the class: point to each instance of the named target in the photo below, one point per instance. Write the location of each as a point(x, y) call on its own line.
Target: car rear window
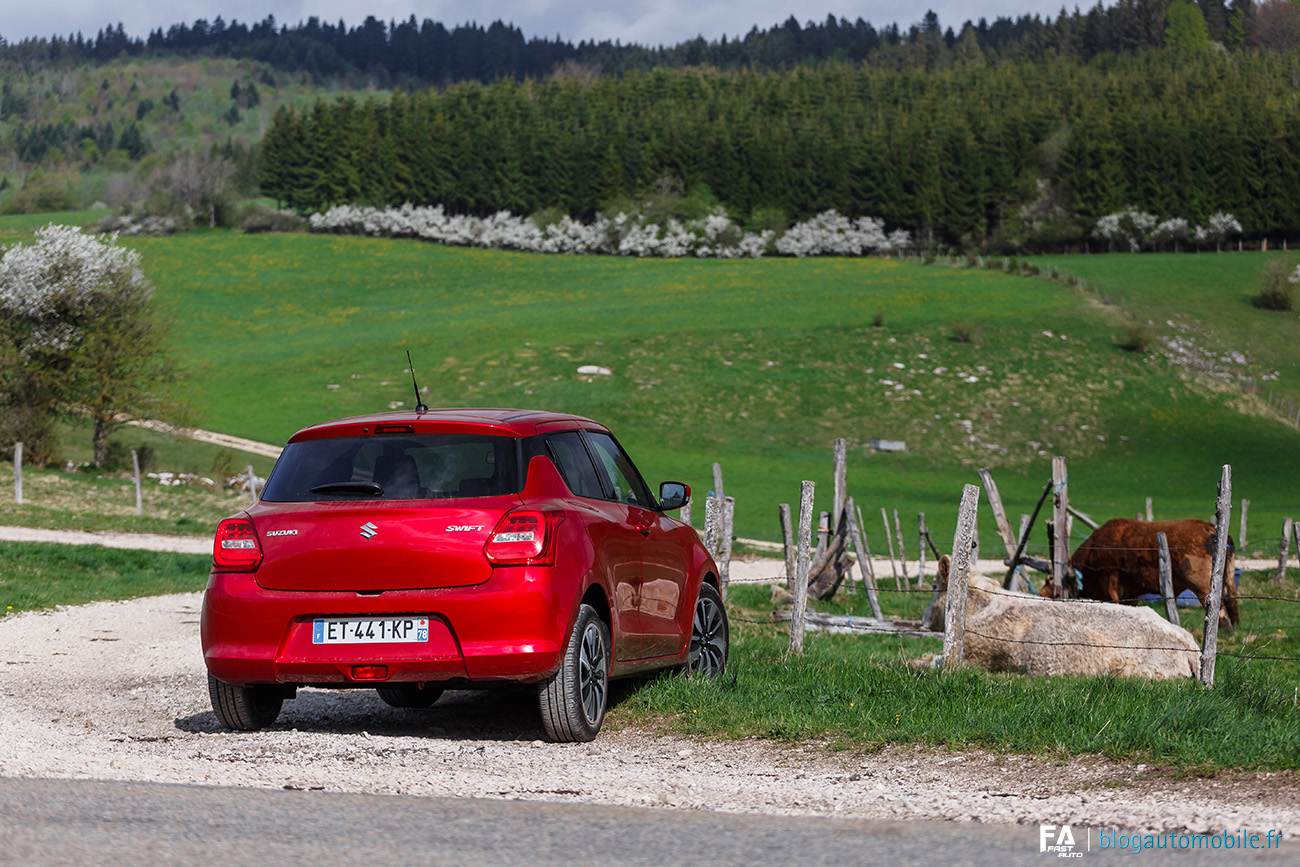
point(411, 467)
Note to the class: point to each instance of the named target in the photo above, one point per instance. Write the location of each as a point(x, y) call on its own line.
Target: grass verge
point(860, 692)
point(35, 576)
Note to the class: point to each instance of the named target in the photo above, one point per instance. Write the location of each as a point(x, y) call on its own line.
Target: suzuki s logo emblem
point(368, 530)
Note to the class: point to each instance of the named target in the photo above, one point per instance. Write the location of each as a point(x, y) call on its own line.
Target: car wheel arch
point(597, 598)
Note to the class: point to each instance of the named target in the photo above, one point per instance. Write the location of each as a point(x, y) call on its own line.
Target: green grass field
point(756, 364)
point(39, 576)
point(856, 691)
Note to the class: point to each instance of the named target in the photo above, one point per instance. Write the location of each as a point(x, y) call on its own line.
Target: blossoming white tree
point(78, 333)
point(714, 235)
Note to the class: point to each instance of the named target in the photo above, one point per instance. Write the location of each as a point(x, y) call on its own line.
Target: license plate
point(370, 630)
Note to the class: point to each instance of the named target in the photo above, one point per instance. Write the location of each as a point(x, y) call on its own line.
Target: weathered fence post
point(1167, 580)
point(724, 542)
point(889, 539)
point(920, 547)
point(252, 484)
point(954, 624)
point(1222, 512)
point(839, 479)
point(787, 537)
point(685, 513)
point(865, 567)
point(999, 513)
point(1241, 537)
point(1061, 533)
point(18, 473)
point(1151, 515)
point(902, 552)
point(139, 500)
point(717, 481)
point(712, 525)
point(1284, 550)
point(801, 568)
point(823, 533)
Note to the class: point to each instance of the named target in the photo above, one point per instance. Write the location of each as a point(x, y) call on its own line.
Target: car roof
point(510, 422)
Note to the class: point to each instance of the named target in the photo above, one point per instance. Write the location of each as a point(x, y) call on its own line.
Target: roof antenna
point(419, 404)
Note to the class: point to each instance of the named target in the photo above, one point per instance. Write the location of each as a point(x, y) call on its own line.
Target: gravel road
point(117, 691)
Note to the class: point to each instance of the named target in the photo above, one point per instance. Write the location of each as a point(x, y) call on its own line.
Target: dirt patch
point(118, 691)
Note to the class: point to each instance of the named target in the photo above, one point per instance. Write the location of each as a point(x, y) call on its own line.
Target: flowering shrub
point(78, 333)
point(1138, 228)
point(1217, 229)
point(62, 279)
point(713, 236)
point(1130, 226)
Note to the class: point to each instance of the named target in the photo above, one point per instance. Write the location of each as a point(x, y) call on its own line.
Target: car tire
point(710, 635)
point(245, 708)
point(417, 695)
point(573, 701)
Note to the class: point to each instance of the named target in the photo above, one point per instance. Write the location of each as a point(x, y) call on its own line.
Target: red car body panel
point(425, 558)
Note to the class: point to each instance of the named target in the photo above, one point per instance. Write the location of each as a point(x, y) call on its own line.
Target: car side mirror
point(673, 495)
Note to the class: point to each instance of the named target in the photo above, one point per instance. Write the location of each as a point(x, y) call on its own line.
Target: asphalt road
point(79, 822)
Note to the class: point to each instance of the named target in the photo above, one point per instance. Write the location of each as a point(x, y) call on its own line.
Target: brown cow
point(1120, 561)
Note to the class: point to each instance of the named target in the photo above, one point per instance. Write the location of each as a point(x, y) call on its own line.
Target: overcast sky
point(648, 22)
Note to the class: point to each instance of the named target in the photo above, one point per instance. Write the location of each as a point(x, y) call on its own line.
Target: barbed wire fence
point(1021, 551)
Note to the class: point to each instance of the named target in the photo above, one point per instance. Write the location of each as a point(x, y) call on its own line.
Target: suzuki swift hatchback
point(411, 552)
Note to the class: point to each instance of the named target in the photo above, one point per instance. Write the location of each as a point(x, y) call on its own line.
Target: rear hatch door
point(372, 546)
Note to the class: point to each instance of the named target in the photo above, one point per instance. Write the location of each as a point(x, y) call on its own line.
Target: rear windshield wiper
point(364, 488)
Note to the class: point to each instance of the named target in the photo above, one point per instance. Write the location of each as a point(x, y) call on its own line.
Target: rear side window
point(413, 467)
point(570, 455)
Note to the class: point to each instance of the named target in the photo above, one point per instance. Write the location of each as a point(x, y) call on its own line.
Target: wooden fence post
point(1284, 550)
point(1167, 581)
point(717, 481)
point(18, 473)
point(866, 543)
point(724, 542)
point(139, 500)
point(801, 567)
point(823, 533)
point(1061, 534)
point(920, 547)
point(685, 513)
point(839, 478)
point(889, 539)
point(1241, 537)
point(1222, 512)
point(1151, 516)
point(787, 537)
point(902, 552)
point(954, 624)
point(712, 525)
point(252, 484)
point(999, 513)
point(865, 567)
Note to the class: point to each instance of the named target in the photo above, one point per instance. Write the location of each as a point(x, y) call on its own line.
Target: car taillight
point(236, 546)
point(521, 537)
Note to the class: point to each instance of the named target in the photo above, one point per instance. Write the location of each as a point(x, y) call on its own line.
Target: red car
point(410, 552)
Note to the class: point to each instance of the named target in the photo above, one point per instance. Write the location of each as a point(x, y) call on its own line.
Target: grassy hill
point(757, 364)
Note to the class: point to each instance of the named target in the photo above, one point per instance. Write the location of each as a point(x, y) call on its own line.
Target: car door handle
point(644, 531)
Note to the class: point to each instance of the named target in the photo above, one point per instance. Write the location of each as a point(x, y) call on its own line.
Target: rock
point(594, 370)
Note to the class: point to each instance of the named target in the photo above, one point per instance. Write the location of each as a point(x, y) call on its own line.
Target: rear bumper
point(511, 628)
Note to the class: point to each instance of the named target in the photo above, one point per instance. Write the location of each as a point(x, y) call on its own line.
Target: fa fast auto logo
point(1057, 840)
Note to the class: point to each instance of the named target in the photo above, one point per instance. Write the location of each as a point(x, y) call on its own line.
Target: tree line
point(429, 53)
point(1027, 152)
